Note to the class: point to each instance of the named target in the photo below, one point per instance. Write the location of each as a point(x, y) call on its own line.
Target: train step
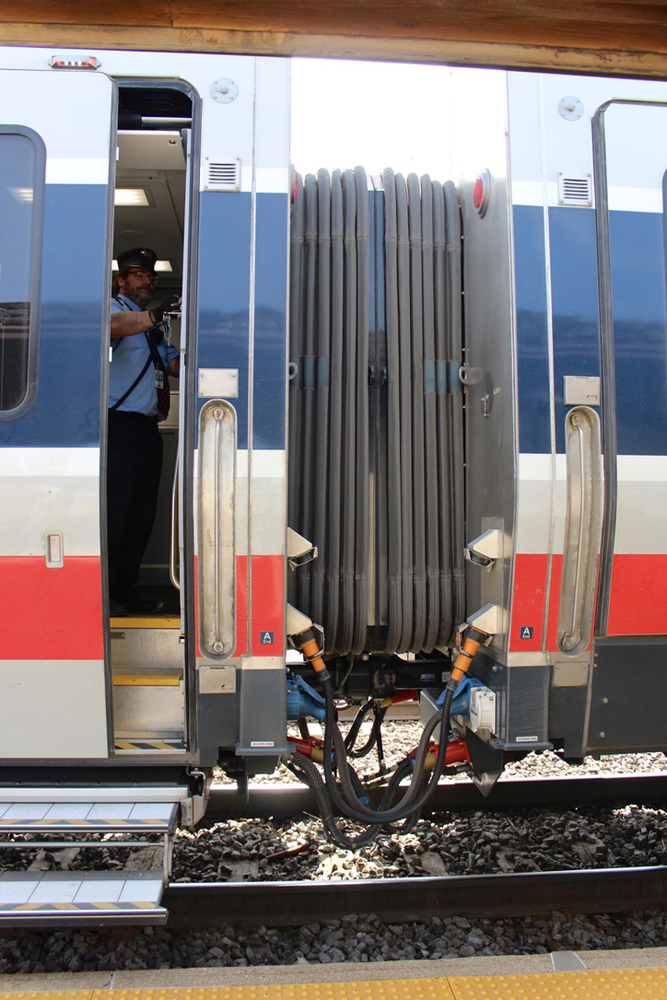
point(147, 676)
point(60, 826)
point(40, 899)
point(148, 744)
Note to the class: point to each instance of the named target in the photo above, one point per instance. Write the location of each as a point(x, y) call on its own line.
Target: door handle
point(174, 568)
point(216, 505)
point(583, 521)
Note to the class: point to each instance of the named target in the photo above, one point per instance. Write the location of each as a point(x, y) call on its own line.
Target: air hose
point(351, 803)
point(379, 709)
point(304, 769)
point(415, 797)
point(352, 735)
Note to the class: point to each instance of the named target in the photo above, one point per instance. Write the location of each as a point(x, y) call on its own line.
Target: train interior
point(148, 653)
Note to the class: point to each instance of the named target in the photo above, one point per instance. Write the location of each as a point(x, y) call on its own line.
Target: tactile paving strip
point(613, 984)
point(401, 989)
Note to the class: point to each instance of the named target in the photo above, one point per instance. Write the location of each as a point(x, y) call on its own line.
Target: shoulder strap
point(134, 384)
point(155, 355)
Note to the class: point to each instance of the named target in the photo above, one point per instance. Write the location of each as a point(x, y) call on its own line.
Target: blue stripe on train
point(224, 310)
point(224, 291)
point(575, 315)
point(639, 322)
point(532, 338)
point(66, 410)
point(640, 331)
point(574, 290)
point(269, 400)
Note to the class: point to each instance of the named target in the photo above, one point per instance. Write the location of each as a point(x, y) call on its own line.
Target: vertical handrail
point(583, 521)
point(216, 503)
point(174, 574)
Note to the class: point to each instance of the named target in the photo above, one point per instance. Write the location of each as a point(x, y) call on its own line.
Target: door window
point(21, 199)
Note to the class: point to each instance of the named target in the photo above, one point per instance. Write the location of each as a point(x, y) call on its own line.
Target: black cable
point(351, 737)
point(414, 799)
point(375, 736)
point(378, 718)
point(302, 767)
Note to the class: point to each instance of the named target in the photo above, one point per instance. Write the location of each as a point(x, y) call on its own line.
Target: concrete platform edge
point(260, 975)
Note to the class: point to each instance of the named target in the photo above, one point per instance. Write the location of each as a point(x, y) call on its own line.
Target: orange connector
point(473, 640)
point(308, 644)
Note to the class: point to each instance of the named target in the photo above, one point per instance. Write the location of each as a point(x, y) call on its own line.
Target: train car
point(148, 702)
point(404, 460)
point(563, 201)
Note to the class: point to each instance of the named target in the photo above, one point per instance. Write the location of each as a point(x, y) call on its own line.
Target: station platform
point(640, 974)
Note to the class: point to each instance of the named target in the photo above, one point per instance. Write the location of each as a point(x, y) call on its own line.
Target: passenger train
point(418, 448)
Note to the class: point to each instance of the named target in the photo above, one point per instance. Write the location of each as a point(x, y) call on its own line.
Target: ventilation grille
point(223, 175)
point(575, 190)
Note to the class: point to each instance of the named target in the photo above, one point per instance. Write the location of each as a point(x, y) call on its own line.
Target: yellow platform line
point(609, 984)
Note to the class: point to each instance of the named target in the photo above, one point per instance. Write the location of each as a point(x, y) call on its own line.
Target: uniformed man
point(141, 361)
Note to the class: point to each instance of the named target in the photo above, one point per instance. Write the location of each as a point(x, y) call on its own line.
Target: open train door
point(630, 146)
point(56, 164)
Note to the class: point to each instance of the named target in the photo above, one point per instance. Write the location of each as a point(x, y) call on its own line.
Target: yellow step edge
point(145, 621)
point(142, 679)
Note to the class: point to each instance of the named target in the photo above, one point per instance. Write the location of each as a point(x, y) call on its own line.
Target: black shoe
point(133, 601)
point(116, 609)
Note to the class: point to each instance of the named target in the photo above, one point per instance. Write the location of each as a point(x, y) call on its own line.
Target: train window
point(22, 166)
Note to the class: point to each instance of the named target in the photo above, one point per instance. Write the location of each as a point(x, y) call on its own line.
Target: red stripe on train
point(554, 604)
point(241, 606)
point(530, 582)
point(638, 603)
point(51, 614)
point(638, 595)
point(268, 606)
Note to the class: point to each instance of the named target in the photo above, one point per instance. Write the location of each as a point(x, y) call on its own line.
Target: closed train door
point(630, 149)
point(56, 142)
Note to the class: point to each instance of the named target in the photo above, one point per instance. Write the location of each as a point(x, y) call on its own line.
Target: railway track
point(403, 900)
point(283, 901)
point(283, 801)
point(292, 903)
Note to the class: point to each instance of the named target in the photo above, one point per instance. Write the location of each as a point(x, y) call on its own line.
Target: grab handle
point(583, 520)
point(216, 503)
point(174, 574)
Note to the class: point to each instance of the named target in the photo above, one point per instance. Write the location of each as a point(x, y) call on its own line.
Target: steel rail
point(291, 800)
point(290, 904)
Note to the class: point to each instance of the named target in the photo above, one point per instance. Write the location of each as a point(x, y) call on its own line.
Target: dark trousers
point(133, 477)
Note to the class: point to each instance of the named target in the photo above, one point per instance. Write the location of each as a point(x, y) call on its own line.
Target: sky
point(376, 115)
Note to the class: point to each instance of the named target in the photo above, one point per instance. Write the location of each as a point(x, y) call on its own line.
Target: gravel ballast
point(461, 843)
point(352, 939)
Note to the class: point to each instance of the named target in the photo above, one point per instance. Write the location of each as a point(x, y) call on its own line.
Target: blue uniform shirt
point(128, 357)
